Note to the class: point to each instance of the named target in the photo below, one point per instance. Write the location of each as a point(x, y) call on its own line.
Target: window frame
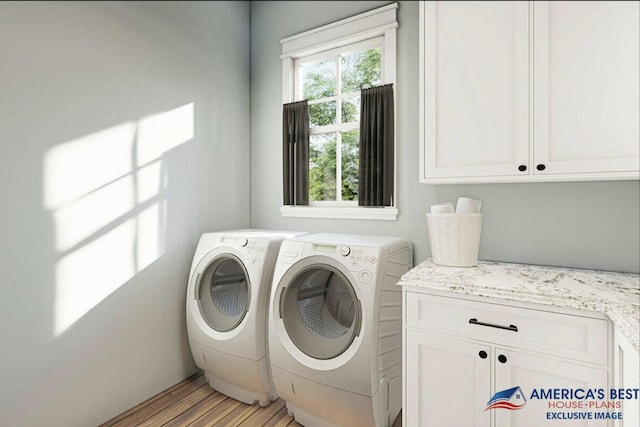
point(339, 127)
point(377, 27)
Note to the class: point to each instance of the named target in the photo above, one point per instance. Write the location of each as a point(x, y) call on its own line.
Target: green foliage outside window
point(350, 163)
point(322, 167)
point(360, 70)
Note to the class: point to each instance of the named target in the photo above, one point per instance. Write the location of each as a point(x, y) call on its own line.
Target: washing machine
point(335, 322)
point(227, 302)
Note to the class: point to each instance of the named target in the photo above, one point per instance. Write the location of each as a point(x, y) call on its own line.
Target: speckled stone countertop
point(616, 295)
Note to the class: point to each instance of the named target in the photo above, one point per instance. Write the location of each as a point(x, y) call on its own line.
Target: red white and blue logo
point(511, 399)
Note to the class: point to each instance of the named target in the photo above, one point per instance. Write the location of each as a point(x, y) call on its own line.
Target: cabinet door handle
point(475, 321)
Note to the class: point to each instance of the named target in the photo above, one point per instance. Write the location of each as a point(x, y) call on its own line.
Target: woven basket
point(455, 238)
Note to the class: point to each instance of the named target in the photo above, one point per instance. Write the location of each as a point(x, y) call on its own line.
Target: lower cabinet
point(626, 376)
point(448, 384)
point(480, 364)
point(536, 372)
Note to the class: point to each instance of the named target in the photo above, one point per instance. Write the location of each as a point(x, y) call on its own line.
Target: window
point(331, 82)
point(328, 67)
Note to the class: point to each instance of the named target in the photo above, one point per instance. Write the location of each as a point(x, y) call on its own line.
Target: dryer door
point(223, 292)
point(320, 311)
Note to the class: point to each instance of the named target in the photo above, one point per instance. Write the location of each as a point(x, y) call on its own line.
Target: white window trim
point(387, 213)
point(368, 25)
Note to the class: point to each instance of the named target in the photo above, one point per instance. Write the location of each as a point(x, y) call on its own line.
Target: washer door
point(223, 293)
point(320, 311)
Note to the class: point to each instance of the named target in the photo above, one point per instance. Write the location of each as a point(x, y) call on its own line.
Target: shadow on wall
point(114, 202)
point(107, 194)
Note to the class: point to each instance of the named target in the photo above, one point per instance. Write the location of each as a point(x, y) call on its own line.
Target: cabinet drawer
point(576, 337)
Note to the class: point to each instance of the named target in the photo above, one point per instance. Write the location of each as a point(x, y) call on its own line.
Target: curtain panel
point(295, 153)
point(375, 180)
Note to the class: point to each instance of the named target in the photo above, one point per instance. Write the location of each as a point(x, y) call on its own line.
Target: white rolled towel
point(442, 208)
point(466, 205)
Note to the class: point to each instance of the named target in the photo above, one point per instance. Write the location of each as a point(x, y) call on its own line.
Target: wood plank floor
point(193, 403)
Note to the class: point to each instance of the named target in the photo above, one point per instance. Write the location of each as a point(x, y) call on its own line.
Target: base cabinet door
point(453, 381)
point(626, 375)
point(448, 381)
point(532, 372)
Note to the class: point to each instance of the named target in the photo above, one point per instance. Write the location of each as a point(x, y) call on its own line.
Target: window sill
point(381, 213)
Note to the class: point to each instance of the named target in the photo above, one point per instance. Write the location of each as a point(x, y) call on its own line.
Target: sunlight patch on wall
point(149, 182)
point(159, 133)
point(79, 220)
point(87, 276)
point(79, 167)
point(107, 194)
point(149, 240)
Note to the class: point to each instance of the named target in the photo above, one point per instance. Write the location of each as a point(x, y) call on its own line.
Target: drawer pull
point(475, 321)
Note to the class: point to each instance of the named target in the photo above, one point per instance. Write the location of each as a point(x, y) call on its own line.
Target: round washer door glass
point(320, 312)
point(224, 293)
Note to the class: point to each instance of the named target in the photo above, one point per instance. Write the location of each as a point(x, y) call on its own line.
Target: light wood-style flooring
point(193, 403)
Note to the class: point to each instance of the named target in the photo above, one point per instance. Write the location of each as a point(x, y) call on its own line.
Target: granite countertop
point(616, 295)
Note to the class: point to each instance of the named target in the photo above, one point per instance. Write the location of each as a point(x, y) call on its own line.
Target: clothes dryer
point(335, 324)
point(227, 302)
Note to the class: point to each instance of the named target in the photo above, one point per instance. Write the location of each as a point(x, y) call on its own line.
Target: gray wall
point(585, 224)
point(69, 70)
point(81, 341)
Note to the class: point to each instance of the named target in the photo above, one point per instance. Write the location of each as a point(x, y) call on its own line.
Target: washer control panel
point(362, 261)
point(361, 255)
point(355, 258)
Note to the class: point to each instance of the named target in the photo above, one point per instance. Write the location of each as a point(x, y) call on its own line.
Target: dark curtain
point(375, 173)
point(295, 153)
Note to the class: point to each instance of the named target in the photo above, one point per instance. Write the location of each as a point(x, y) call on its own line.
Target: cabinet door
point(626, 375)
point(447, 381)
point(586, 92)
point(474, 90)
point(530, 372)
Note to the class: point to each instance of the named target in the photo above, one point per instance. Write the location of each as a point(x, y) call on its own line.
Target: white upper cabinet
point(529, 91)
point(476, 88)
point(586, 92)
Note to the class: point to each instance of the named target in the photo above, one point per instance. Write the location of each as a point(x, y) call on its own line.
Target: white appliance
point(227, 302)
point(335, 323)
